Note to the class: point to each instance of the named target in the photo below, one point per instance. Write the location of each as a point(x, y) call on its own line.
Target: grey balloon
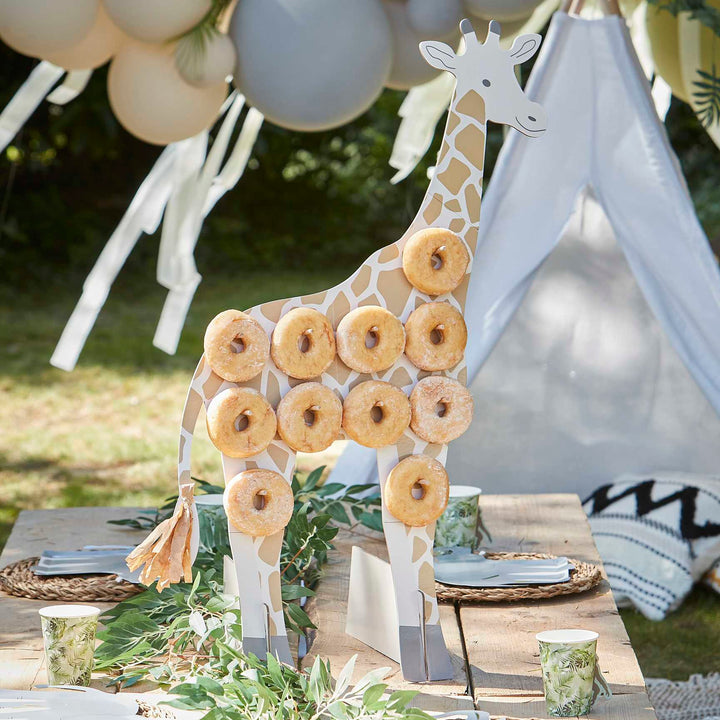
point(431, 18)
point(311, 64)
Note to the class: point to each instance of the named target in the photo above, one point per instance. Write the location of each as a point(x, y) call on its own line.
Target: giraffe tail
point(166, 552)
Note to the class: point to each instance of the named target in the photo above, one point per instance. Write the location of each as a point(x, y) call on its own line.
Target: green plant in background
point(172, 636)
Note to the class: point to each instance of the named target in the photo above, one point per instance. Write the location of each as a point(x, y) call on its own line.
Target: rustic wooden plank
point(619, 707)
point(500, 637)
point(21, 647)
point(328, 611)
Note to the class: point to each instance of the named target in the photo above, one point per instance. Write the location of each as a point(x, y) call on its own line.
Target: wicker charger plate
point(582, 578)
point(19, 579)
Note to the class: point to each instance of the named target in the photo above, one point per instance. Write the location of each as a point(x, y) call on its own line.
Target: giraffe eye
point(486, 83)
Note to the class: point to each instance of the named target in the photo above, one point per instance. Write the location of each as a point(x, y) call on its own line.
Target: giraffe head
point(489, 70)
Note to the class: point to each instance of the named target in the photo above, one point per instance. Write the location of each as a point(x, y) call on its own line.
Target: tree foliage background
point(306, 201)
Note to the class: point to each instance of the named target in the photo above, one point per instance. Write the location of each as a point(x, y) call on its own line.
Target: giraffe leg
point(423, 654)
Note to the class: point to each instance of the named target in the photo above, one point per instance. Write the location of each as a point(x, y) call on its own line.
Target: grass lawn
point(106, 434)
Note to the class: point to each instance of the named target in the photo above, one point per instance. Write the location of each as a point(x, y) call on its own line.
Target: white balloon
point(208, 66)
point(95, 49)
point(152, 101)
point(502, 10)
point(39, 27)
point(155, 21)
point(409, 68)
point(432, 18)
point(311, 64)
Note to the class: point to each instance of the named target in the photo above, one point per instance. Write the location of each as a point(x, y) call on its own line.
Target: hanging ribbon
point(26, 100)
point(177, 271)
point(690, 34)
point(143, 215)
point(75, 82)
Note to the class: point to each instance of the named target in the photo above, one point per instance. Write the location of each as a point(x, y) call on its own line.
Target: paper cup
point(458, 525)
point(69, 638)
point(571, 673)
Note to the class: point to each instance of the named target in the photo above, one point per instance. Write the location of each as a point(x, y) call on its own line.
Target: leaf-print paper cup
point(69, 637)
point(570, 670)
point(459, 525)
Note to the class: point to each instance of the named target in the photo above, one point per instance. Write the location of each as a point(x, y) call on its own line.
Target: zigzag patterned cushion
point(657, 535)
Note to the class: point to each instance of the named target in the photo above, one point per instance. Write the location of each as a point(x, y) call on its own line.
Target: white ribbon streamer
point(75, 82)
point(26, 100)
point(179, 272)
point(143, 215)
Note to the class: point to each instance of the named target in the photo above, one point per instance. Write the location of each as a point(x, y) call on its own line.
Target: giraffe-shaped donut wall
point(380, 356)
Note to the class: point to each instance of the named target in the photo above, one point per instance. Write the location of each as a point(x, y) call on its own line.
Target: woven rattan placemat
point(19, 579)
point(582, 578)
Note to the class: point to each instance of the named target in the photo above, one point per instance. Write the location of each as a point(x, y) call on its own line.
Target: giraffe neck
point(453, 197)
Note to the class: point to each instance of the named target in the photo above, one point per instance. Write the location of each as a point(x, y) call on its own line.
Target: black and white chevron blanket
point(657, 536)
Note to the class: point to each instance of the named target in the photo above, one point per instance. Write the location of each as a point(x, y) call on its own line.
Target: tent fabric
point(584, 385)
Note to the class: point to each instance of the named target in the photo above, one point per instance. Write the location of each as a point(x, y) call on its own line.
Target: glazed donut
point(435, 260)
point(303, 343)
point(309, 417)
point(236, 346)
point(442, 409)
point(241, 422)
point(416, 491)
point(370, 339)
point(376, 414)
point(436, 336)
point(258, 502)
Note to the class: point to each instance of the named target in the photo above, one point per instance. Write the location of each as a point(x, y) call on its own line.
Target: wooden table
point(493, 646)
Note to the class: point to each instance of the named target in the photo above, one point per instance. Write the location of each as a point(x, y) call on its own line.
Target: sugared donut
point(442, 409)
point(370, 339)
point(416, 491)
point(436, 336)
point(435, 260)
point(258, 502)
point(309, 417)
point(236, 346)
point(303, 343)
point(241, 422)
point(376, 414)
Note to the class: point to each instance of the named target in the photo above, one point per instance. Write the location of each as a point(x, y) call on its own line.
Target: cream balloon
point(95, 49)
point(209, 65)
point(409, 68)
point(662, 29)
point(40, 27)
point(155, 21)
point(152, 101)
point(502, 10)
point(430, 18)
point(311, 64)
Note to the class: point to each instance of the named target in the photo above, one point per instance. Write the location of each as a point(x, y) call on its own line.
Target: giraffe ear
point(438, 55)
point(524, 47)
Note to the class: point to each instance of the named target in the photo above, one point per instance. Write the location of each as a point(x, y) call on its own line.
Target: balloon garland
point(302, 64)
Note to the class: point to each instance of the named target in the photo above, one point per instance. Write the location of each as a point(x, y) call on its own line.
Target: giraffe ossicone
point(487, 88)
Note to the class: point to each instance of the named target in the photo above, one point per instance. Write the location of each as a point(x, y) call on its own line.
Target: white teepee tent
point(583, 383)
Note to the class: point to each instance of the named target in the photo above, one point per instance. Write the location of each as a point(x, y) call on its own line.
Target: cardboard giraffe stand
point(487, 88)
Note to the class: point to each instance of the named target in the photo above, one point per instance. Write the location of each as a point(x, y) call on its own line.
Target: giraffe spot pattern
point(472, 201)
point(194, 404)
point(433, 210)
point(339, 309)
point(457, 225)
point(419, 548)
point(269, 548)
point(279, 456)
point(453, 205)
point(362, 281)
point(212, 385)
point(272, 390)
point(389, 253)
point(453, 122)
point(426, 579)
point(275, 593)
point(470, 141)
point(400, 377)
point(471, 235)
point(394, 287)
point(315, 299)
point(443, 152)
point(455, 176)
point(272, 310)
point(472, 104)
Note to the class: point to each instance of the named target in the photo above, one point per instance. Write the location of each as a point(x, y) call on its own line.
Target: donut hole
point(304, 342)
point(441, 409)
point(237, 344)
point(418, 490)
point(260, 500)
point(371, 338)
point(436, 260)
point(377, 414)
point(242, 422)
point(437, 336)
point(310, 416)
